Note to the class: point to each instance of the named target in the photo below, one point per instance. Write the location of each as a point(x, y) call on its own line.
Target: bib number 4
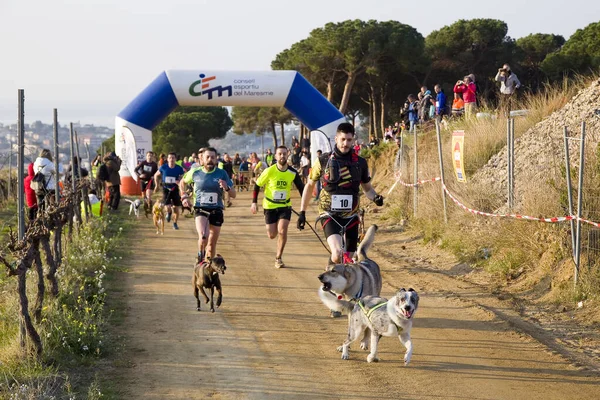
point(209, 199)
point(341, 202)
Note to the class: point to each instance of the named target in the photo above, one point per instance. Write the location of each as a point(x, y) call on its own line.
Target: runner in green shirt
point(277, 203)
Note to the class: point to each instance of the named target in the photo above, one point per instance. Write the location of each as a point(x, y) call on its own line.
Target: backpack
point(103, 174)
point(38, 183)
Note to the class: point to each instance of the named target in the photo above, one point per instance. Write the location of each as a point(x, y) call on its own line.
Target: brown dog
point(158, 216)
point(206, 275)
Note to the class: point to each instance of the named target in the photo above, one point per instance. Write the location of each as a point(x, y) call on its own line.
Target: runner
point(146, 170)
point(171, 176)
point(277, 181)
point(342, 174)
point(209, 184)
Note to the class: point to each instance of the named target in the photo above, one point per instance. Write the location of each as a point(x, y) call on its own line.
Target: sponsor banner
point(231, 88)
point(132, 142)
point(458, 143)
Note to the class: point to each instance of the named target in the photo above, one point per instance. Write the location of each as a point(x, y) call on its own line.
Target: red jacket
point(30, 197)
point(468, 92)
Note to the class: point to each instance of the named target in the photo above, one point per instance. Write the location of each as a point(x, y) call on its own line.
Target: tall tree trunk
point(373, 98)
point(383, 110)
point(282, 133)
point(371, 126)
point(347, 90)
point(330, 90)
point(274, 140)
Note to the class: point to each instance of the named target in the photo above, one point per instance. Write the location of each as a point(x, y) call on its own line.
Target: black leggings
point(114, 196)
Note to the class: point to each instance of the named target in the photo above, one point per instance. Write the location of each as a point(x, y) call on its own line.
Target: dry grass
point(505, 248)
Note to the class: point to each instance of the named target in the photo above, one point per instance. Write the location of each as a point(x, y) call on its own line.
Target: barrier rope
point(497, 215)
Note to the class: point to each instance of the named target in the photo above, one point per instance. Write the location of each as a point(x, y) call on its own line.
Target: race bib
point(147, 168)
point(170, 179)
point(341, 202)
point(280, 195)
point(208, 198)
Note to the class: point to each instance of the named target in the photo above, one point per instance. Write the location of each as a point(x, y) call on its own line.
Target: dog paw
point(406, 360)
point(371, 358)
point(345, 356)
point(212, 310)
point(198, 309)
point(364, 346)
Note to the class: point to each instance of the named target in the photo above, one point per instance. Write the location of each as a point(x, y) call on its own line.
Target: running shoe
point(279, 263)
point(169, 217)
point(175, 226)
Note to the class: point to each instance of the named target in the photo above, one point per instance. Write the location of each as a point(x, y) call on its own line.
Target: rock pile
point(539, 153)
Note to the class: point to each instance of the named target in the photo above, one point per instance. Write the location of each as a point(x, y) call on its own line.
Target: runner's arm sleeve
point(255, 193)
point(137, 169)
point(299, 184)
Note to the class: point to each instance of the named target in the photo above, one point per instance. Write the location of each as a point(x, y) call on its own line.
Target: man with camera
point(509, 83)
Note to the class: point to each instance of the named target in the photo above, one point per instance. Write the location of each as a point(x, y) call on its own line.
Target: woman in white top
point(45, 165)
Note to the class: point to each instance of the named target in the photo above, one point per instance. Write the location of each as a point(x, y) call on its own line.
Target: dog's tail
point(333, 303)
point(366, 243)
point(129, 201)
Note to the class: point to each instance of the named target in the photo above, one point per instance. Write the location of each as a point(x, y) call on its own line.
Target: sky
point(89, 58)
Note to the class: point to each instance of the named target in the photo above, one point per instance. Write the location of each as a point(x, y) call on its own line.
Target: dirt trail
point(272, 337)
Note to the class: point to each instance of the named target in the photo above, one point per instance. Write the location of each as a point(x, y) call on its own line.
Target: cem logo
point(202, 87)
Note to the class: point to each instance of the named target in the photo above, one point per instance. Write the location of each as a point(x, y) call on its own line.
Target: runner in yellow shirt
point(277, 203)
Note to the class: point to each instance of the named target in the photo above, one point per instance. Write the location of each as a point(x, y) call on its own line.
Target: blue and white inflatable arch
point(218, 88)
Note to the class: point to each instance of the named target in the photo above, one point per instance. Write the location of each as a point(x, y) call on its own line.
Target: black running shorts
point(172, 197)
point(215, 215)
point(146, 187)
point(331, 226)
point(273, 215)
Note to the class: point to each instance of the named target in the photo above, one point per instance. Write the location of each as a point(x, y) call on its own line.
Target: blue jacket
point(440, 104)
point(413, 112)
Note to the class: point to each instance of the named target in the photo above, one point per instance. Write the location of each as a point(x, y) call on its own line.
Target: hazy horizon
point(90, 59)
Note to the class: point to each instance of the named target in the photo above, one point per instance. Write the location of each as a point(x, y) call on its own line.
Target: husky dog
point(206, 275)
point(382, 318)
point(343, 282)
point(158, 217)
point(134, 207)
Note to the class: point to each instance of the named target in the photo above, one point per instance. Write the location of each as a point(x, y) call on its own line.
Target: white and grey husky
point(382, 317)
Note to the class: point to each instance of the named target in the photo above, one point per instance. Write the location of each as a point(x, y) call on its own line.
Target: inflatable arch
point(134, 124)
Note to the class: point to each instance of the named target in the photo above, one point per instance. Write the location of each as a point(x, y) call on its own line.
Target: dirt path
point(272, 338)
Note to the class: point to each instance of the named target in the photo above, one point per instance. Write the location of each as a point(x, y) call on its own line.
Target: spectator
point(509, 83)
point(388, 136)
point(304, 166)
point(396, 129)
point(244, 165)
point(74, 169)
point(425, 106)
point(373, 141)
point(440, 103)
point(227, 167)
point(45, 165)
point(413, 112)
point(294, 141)
point(237, 160)
point(296, 154)
point(269, 158)
point(467, 89)
point(113, 183)
point(95, 164)
point(306, 142)
point(30, 196)
point(162, 159)
point(319, 184)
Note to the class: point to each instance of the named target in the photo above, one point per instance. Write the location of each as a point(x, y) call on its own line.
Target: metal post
point(20, 161)
point(9, 191)
point(56, 154)
point(512, 163)
point(579, 203)
point(569, 188)
point(439, 142)
point(401, 151)
point(416, 173)
point(84, 195)
point(508, 162)
point(72, 154)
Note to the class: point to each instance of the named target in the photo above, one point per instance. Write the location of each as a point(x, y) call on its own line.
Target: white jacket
point(47, 168)
point(508, 84)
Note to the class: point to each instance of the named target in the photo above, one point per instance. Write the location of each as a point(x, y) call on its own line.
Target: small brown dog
point(206, 275)
point(158, 216)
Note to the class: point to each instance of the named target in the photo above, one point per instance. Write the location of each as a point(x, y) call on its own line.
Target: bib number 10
point(341, 202)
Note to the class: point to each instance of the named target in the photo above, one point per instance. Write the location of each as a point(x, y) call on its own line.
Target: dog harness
point(369, 312)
